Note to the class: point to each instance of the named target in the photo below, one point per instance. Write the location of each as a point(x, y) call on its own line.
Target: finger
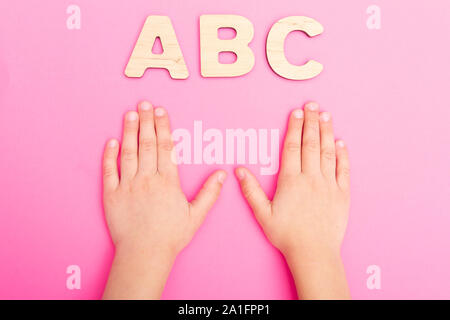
point(164, 142)
point(343, 166)
point(311, 139)
point(255, 195)
point(110, 173)
point(327, 146)
point(147, 139)
point(128, 154)
point(207, 196)
point(291, 156)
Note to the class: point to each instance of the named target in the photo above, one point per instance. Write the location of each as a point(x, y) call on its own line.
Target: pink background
point(63, 93)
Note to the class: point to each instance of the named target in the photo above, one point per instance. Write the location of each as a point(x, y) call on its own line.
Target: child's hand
point(149, 217)
point(307, 218)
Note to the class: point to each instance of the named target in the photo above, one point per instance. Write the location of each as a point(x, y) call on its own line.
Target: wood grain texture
point(211, 45)
point(275, 48)
point(142, 57)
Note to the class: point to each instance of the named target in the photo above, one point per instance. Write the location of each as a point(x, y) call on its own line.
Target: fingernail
point(298, 114)
point(312, 106)
point(159, 112)
point(145, 106)
point(132, 116)
point(221, 177)
point(340, 144)
point(240, 174)
point(112, 143)
point(325, 116)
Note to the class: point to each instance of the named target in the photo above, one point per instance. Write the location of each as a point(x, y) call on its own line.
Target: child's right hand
point(307, 218)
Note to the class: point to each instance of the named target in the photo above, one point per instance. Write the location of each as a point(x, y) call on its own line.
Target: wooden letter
point(143, 58)
point(275, 48)
point(211, 46)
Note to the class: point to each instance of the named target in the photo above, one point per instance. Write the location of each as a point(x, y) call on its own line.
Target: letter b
point(211, 46)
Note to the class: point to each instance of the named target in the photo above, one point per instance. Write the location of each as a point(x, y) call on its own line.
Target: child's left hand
point(148, 215)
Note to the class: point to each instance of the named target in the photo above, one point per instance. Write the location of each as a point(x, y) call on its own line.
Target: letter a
point(143, 58)
point(74, 280)
point(73, 22)
point(374, 280)
point(374, 20)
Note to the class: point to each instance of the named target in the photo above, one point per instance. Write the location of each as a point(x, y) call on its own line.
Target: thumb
point(255, 195)
point(207, 195)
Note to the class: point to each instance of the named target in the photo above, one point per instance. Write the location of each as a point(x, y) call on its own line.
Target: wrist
point(318, 273)
point(138, 272)
point(312, 255)
point(144, 252)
